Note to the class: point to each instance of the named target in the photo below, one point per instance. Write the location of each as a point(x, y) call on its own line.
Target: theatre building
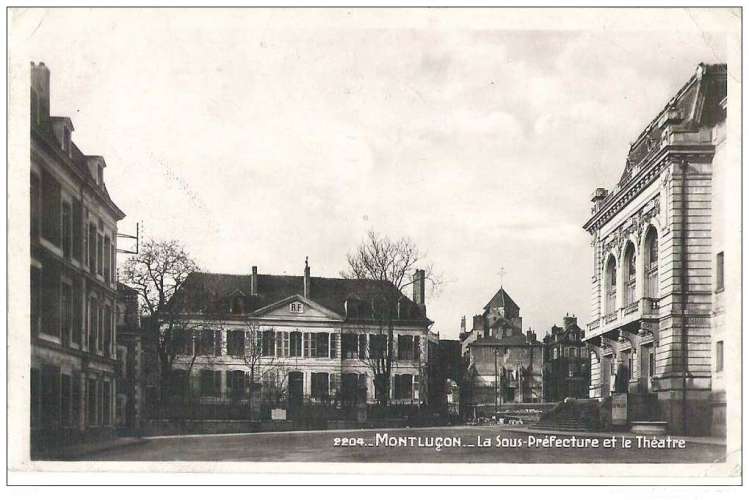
point(302, 340)
point(658, 268)
point(73, 283)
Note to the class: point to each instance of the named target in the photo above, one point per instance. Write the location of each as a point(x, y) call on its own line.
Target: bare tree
point(388, 266)
point(265, 367)
point(157, 273)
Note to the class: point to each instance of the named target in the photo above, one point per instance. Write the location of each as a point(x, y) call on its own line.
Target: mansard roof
point(76, 162)
point(696, 104)
point(350, 298)
point(699, 104)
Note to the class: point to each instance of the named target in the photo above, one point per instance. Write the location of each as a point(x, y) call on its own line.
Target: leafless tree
point(157, 273)
point(388, 266)
point(266, 370)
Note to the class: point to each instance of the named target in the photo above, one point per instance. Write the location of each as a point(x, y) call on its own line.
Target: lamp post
point(496, 377)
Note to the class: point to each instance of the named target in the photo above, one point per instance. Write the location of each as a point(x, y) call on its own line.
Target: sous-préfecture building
point(303, 340)
point(664, 307)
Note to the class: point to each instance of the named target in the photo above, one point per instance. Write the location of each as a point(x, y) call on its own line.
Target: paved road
point(373, 446)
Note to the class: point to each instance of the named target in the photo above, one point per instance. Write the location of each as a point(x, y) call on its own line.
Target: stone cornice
point(617, 200)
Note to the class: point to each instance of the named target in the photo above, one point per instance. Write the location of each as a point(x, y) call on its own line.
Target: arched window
point(610, 285)
point(651, 264)
point(630, 274)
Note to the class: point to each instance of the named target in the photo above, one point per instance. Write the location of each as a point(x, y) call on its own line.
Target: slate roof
point(77, 161)
point(501, 299)
point(696, 103)
point(205, 291)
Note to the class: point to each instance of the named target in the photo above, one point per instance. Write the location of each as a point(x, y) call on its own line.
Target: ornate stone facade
point(653, 264)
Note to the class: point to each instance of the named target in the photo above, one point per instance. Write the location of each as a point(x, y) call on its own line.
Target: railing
point(610, 317)
point(593, 325)
point(633, 307)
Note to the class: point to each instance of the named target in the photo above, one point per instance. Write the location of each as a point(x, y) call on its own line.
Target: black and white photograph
point(359, 239)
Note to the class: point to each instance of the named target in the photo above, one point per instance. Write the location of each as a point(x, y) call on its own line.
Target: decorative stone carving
point(666, 194)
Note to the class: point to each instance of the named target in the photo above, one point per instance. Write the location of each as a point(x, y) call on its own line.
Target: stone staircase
point(573, 415)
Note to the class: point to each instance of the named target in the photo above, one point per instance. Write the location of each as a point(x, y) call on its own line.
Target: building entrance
point(296, 392)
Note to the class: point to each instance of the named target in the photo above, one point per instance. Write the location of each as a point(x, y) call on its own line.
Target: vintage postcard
point(497, 243)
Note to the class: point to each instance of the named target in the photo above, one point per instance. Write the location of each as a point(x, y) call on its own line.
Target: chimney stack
point(418, 287)
point(462, 325)
point(253, 281)
point(39, 93)
point(306, 278)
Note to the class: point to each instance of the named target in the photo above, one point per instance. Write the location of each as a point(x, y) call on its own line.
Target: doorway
point(296, 392)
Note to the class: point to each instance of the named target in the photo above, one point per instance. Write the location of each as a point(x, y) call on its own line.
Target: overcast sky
point(256, 142)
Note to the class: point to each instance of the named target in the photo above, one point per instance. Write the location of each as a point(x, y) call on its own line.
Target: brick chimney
point(39, 93)
point(462, 325)
point(307, 281)
point(418, 287)
point(253, 281)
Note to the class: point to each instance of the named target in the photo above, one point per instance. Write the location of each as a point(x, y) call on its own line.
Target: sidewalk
point(73, 452)
point(709, 440)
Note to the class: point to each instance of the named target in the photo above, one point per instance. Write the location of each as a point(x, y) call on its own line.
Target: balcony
point(643, 309)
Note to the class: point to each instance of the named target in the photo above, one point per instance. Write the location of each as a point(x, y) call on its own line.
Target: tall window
point(610, 285)
point(269, 343)
point(377, 346)
point(719, 283)
point(107, 320)
point(106, 399)
point(51, 201)
point(405, 347)
point(67, 313)
point(631, 274)
point(719, 356)
point(77, 229)
point(235, 343)
point(210, 343)
point(77, 318)
point(50, 305)
point(99, 251)
point(320, 385)
point(350, 346)
point(93, 323)
point(92, 247)
point(403, 386)
point(107, 256)
point(91, 402)
point(316, 345)
point(66, 229)
point(652, 288)
point(182, 341)
point(295, 344)
point(235, 381)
